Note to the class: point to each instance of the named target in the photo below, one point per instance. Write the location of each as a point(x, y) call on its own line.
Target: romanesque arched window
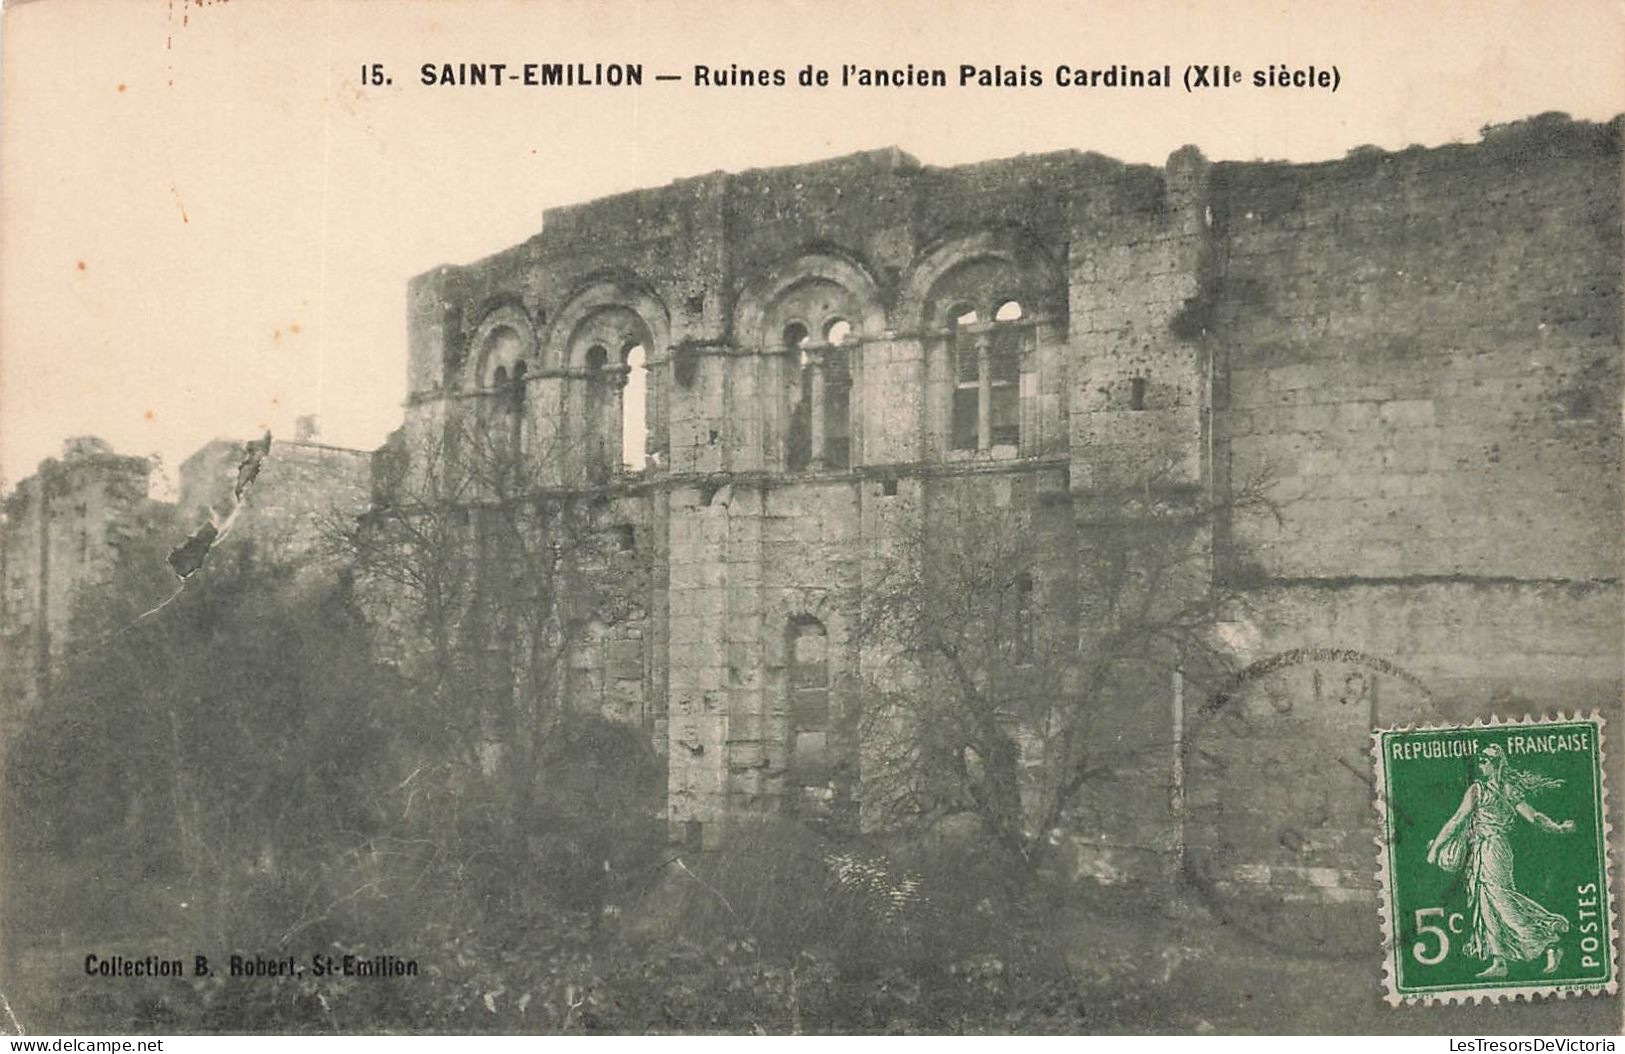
point(634, 403)
point(798, 440)
point(501, 368)
point(809, 317)
point(814, 320)
point(986, 297)
point(989, 340)
point(608, 352)
point(500, 352)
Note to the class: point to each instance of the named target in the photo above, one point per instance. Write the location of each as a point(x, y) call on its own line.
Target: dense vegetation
point(235, 774)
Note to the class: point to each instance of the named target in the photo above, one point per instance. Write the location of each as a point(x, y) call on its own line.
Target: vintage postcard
point(810, 518)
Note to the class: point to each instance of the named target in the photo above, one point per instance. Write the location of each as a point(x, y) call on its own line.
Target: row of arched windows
point(984, 410)
point(981, 301)
point(978, 298)
point(504, 372)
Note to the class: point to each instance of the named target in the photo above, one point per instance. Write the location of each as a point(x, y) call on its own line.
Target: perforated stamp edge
point(1385, 879)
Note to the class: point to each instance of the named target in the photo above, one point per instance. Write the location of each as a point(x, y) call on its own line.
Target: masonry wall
point(305, 492)
point(61, 532)
point(1421, 346)
point(613, 671)
point(1420, 351)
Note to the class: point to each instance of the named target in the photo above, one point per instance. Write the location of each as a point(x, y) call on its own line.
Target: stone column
point(614, 418)
point(984, 395)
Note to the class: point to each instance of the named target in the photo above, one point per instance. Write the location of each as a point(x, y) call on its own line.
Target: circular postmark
point(1277, 818)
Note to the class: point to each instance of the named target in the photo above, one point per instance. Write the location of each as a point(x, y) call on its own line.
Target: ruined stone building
point(761, 382)
point(63, 529)
point(61, 532)
point(764, 376)
point(305, 493)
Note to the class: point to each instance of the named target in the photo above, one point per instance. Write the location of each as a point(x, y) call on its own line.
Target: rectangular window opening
point(1005, 415)
point(966, 403)
point(968, 368)
point(798, 452)
point(1004, 357)
point(838, 420)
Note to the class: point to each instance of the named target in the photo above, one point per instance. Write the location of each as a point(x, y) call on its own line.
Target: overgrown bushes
point(235, 775)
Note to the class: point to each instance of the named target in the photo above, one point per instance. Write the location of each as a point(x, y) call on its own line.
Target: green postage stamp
point(1493, 846)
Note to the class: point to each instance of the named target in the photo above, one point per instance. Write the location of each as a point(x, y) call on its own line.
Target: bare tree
point(999, 642)
point(489, 567)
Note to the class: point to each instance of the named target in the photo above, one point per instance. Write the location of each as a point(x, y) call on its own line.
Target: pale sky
point(207, 223)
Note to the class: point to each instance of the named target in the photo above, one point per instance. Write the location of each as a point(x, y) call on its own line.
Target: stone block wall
point(60, 534)
point(304, 493)
point(1419, 351)
point(1422, 348)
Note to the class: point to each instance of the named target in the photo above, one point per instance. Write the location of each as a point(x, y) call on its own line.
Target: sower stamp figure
point(1505, 923)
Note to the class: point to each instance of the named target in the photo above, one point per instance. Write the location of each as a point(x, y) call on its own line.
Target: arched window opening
point(498, 354)
point(597, 357)
point(634, 403)
point(814, 323)
point(1004, 381)
point(799, 435)
point(1136, 394)
point(988, 306)
point(987, 358)
point(967, 407)
point(820, 427)
point(519, 369)
point(807, 656)
point(837, 408)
